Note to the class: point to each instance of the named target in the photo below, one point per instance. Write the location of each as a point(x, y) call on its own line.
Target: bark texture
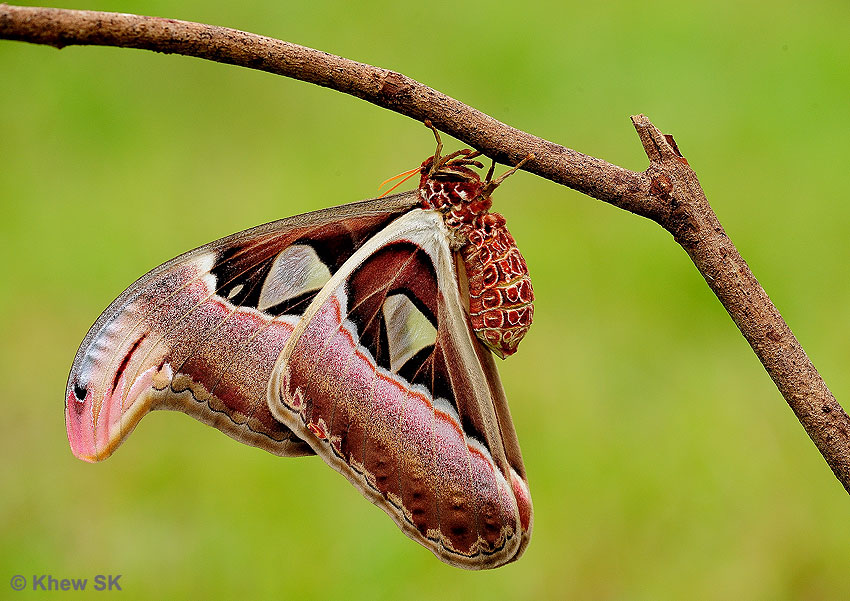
point(668, 192)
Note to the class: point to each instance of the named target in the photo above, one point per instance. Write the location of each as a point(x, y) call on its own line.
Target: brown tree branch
point(667, 192)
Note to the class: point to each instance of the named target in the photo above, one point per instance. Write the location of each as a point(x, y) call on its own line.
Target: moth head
point(452, 178)
point(451, 185)
point(452, 168)
point(449, 180)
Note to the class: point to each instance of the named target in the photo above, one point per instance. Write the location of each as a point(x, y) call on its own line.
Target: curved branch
point(385, 88)
point(668, 192)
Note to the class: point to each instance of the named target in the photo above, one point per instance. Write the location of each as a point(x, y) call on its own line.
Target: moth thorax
point(445, 194)
point(500, 293)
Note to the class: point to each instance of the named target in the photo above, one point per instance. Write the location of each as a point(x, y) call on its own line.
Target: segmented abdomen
point(500, 293)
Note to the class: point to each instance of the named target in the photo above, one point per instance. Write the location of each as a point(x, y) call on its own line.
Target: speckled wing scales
point(385, 380)
point(201, 333)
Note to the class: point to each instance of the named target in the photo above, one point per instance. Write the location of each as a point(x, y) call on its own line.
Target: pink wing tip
point(81, 432)
point(523, 500)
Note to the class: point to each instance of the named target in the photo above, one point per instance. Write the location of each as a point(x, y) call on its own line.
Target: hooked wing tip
point(79, 422)
point(93, 432)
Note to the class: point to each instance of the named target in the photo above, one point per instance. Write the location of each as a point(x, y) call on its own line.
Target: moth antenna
point(405, 176)
point(493, 184)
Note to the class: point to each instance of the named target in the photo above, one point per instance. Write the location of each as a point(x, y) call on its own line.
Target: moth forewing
point(134, 357)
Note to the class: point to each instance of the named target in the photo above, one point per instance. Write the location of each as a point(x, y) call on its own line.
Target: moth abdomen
point(500, 292)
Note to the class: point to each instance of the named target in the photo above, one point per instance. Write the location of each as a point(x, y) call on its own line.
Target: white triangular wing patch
point(408, 330)
point(296, 271)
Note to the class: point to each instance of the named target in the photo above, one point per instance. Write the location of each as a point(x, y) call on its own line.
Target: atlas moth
point(362, 333)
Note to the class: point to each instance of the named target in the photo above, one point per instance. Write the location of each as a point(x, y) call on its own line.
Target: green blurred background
point(663, 463)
